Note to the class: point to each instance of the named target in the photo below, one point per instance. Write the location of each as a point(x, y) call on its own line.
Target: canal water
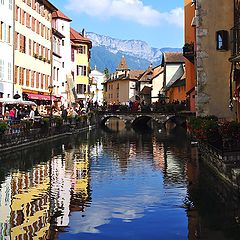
point(115, 184)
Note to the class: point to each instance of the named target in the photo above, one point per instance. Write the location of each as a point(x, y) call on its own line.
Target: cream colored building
point(6, 49)
point(32, 43)
point(214, 19)
point(122, 85)
point(97, 79)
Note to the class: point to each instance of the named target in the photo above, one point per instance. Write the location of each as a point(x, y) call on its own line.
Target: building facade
point(212, 55)
point(33, 48)
point(61, 65)
point(80, 58)
point(189, 53)
point(122, 85)
point(6, 49)
point(97, 79)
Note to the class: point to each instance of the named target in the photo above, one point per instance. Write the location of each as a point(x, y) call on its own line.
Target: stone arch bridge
point(140, 118)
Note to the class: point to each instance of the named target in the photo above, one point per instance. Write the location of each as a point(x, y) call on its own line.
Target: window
point(30, 47)
point(10, 4)
point(81, 70)
point(37, 80)
point(28, 20)
point(82, 50)
point(4, 32)
point(32, 78)
point(9, 34)
point(16, 14)
point(9, 72)
point(27, 77)
point(16, 70)
point(33, 23)
point(222, 40)
point(81, 88)
point(22, 44)
point(57, 73)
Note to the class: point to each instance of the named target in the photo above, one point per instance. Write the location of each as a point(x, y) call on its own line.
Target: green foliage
point(26, 125)
point(45, 122)
point(58, 121)
point(3, 127)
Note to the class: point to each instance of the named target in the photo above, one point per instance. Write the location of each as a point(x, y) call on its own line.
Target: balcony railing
point(235, 43)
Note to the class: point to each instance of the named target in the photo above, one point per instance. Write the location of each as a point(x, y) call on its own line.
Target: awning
point(39, 97)
point(17, 102)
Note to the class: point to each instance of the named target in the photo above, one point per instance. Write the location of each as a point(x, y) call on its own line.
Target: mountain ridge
point(107, 52)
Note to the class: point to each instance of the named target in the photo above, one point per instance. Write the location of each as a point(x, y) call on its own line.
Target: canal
point(115, 184)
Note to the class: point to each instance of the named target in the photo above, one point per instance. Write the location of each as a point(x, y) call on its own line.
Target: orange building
point(176, 89)
point(189, 53)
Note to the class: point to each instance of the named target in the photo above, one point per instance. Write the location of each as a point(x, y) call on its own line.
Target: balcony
point(188, 51)
point(235, 44)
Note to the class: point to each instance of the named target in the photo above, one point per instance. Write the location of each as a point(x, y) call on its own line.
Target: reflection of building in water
point(61, 172)
point(115, 124)
point(30, 204)
point(80, 180)
point(159, 155)
point(5, 210)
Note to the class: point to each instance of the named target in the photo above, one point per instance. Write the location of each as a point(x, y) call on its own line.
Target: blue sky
point(158, 22)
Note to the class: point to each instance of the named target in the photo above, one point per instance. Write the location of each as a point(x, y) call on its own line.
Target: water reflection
point(114, 185)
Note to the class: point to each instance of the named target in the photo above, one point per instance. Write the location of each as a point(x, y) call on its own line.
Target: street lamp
point(50, 89)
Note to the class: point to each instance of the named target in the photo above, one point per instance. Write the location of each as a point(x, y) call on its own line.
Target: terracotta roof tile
point(77, 37)
point(134, 74)
point(59, 14)
point(173, 57)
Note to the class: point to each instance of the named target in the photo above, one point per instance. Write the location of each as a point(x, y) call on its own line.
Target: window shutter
point(15, 74)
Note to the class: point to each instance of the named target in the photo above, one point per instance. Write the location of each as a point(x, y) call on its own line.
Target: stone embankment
point(226, 164)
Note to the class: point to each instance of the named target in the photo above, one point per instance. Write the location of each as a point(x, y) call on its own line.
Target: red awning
point(40, 97)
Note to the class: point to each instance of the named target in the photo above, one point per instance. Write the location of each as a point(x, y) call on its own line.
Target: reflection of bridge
point(141, 118)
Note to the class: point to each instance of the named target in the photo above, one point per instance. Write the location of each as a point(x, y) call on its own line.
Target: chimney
point(83, 32)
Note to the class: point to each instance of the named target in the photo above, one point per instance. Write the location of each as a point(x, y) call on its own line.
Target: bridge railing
point(164, 108)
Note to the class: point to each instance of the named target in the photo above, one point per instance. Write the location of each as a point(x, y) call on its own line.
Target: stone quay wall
point(225, 164)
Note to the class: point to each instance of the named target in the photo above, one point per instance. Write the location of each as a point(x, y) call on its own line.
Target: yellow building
point(214, 19)
point(80, 64)
point(32, 43)
point(30, 205)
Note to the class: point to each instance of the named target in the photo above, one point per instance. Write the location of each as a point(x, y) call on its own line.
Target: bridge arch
point(104, 119)
point(142, 120)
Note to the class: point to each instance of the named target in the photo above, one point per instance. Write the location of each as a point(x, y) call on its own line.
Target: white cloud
point(131, 10)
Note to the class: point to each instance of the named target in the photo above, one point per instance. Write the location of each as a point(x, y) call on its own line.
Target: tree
point(106, 72)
